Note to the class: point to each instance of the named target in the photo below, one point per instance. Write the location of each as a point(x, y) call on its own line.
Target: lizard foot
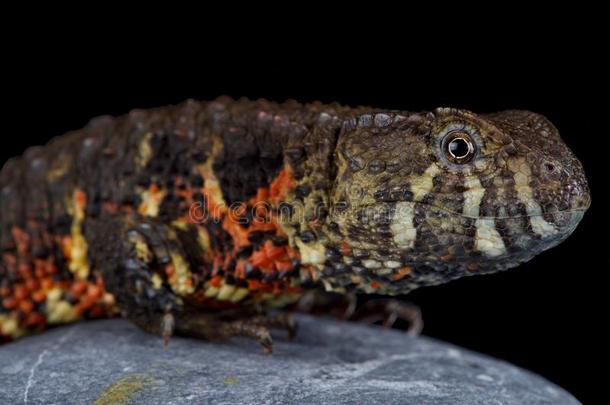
point(389, 311)
point(284, 320)
point(318, 302)
point(250, 329)
point(220, 327)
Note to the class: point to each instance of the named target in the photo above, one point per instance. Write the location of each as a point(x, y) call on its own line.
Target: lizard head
point(425, 198)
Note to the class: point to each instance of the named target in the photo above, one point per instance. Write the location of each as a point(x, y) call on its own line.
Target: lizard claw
point(389, 311)
point(167, 328)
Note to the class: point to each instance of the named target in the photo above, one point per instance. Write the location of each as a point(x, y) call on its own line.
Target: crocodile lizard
point(195, 219)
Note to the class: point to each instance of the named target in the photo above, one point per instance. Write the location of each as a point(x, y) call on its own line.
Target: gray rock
point(112, 361)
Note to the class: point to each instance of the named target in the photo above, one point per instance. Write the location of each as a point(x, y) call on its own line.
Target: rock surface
point(111, 361)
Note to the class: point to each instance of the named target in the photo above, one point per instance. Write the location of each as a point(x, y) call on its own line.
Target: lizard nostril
point(549, 167)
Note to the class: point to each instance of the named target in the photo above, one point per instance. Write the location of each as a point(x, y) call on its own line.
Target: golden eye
point(458, 147)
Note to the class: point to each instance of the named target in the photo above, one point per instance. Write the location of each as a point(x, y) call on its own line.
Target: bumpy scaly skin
point(186, 218)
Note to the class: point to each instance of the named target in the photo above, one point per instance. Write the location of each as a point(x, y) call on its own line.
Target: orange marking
point(283, 266)
point(268, 257)
point(170, 270)
point(272, 251)
point(259, 258)
point(47, 283)
point(9, 303)
point(345, 249)
point(94, 291)
point(85, 304)
point(216, 281)
point(66, 246)
point(237, 232)
point(80, 197)
point(402, 273)
point(375, 285)
point(21, 292)
point(26, 307)
point(25, 270)
point(32, 284)
point(78, 288)
point(39, 297)
point(281, 185)
point(34, 319)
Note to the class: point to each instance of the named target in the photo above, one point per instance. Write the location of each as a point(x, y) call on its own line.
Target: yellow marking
point(422, 185)
point(78, 263)
point(10, 327)
point(211, 183)
point(231, 380)
point(311, 253)
point(145, 152)
point(123, 390)
point(211, 292)
point(181, 280)
point(54, 295)
point(180, 223)
point(487, 239)
point(57, 310)
point(402, 224)
point(239, 294)
point(371, 264)
point(226, 291)
point(392, 264)
point(522, 174)
point(61, 168)
point(472, 197)
point(61, 312)
point(541, 226)
point(151, 201)
point(109, 299)
point(203, 238)
point(142, 251)
point(156, 281)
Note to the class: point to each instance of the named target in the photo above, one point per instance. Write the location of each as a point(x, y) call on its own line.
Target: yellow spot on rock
point(232, 380)
point(123, 390)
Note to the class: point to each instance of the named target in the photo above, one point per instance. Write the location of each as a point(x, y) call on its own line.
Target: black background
point(548, 316)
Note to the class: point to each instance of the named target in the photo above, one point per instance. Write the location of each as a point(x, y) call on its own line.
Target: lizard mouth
point(550, 213)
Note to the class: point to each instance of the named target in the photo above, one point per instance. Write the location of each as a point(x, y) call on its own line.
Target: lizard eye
point(458, 147)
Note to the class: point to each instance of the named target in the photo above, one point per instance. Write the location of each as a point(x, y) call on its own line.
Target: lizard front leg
point(154, 280)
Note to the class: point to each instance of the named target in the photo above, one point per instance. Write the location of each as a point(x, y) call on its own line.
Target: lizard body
point(182, 217)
